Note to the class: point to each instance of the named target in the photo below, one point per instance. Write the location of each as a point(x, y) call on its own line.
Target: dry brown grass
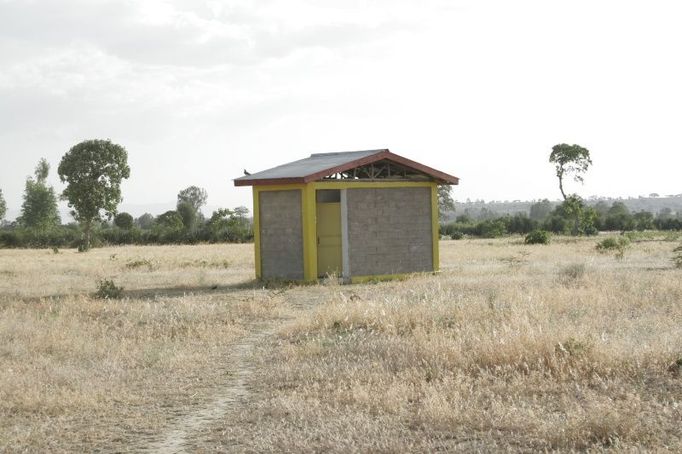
point(79, 373)
point(511, 347)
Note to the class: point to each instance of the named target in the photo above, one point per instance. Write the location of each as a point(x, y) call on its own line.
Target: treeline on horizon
point(480, 209)
point(93, 170)
point(223, 226)
point(39, 223)
point(562, 218)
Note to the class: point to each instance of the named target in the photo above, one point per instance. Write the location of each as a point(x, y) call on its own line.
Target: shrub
point(106, 289)
point(537, 237)
point(63, 236)
point(457, 235)
point(494, 228)
point(617, 244)
point(120, 236)
point(612, 243)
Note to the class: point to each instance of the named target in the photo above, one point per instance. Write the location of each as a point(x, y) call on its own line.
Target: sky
point(199, 90)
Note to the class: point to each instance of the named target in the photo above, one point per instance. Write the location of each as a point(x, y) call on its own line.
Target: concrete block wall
point(281, 234)
point(389, 231)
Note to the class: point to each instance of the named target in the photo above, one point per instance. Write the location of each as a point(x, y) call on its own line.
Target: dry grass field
point(510, 347)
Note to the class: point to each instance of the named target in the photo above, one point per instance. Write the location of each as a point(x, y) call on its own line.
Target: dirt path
point(177, 438)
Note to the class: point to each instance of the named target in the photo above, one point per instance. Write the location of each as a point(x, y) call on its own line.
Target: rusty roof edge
point(268, 181)
point(437, 174)
point(385, 153)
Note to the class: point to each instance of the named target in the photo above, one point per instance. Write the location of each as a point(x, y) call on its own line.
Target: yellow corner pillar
point(256, 231)
point(435, 226)
point(308, 208)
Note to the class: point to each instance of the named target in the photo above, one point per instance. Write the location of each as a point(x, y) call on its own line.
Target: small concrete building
point(359, 215)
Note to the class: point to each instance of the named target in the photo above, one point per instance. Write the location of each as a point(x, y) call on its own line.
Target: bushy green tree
point(445, 201)
point(169, 228)
point(170, 220)
point(572, 160)
point(188, 214)
point(569, 160)
point(123, 221)
point(519, 223)
point(229, 225)
point(643, 220)
point(190, 201)
point(195, 196)
point(573, 216)
point(618, 218)
point(93, 170)
point(3, 206)
point(39, 210)
point(146, 221)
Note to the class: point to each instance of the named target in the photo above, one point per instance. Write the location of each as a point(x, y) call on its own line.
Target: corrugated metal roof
point(311, 165)
point(319, 165)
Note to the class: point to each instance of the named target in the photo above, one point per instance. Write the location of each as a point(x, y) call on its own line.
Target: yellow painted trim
point(309, 219)
point(256, 232)
point(280, 187)
point(350, 184)
point(435, 227)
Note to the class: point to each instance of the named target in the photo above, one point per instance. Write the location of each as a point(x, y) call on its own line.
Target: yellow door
point(328, 239)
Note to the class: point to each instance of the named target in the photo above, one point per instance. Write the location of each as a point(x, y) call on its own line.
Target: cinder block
point(281, 233)
point(395, 236)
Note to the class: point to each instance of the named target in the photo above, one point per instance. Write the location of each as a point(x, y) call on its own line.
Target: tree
point(643, 220)
point(188, 214)
point(123, 221)
point(170, 220)
point(39, 209)
point(42, 170)
point(3, 206)
point(539, 211)
point(93, 170)
point(229, 225)
point(619, 218)
point(569, 160)
point(146, 221)
point(193, 195)
point(445, 202)
point(582, 217)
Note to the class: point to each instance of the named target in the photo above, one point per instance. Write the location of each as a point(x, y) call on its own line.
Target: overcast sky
point(199, 90)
